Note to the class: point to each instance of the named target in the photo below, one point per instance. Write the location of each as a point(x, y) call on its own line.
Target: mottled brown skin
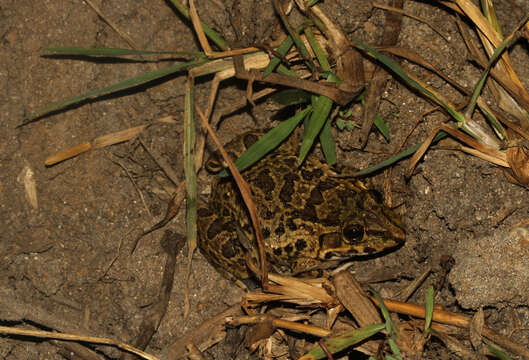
point(310, 218)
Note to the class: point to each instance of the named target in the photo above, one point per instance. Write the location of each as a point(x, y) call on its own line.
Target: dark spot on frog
point(309, 213)
point(216, 227)
point(232, 155)
point(204, 212)
point(327, 185)
point(291, 162)
point(249, 140)
point(300, 245)
point(306, 174)
point(288, 188)
point(265, 182)
point(289, 248)
point(280, 230)
point(266, 233)
point(316, 197)
point(267, 215)
point(290, 224)
point(228, 249)
point(277, 251)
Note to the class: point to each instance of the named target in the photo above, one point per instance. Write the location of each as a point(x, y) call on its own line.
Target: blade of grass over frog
point(291, 97)
point(381, 125)
point(338, 343)
point(115, 52)
point(322, 109)
point(429, 310)
point(210, 33)
point(127, 84)
point(268, 142)
point(327, 143)
point(293, 34)
point(246, 193)
point(191, 182)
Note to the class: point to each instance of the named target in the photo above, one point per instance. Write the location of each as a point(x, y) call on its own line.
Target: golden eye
point(353, 233)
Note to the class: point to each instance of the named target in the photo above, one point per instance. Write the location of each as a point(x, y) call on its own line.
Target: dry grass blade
point(498, 156)
point(461, 321)
point(247, 197)
point(518, 159)
point(97, 143)
point(204, 41)
point(71, 337)
point(280, 323)
point(411, 16)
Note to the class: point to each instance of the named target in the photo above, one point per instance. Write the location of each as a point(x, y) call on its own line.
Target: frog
point(311, 217)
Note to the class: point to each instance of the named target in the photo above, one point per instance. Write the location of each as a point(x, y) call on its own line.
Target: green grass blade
point(189, 165)
point(390, 327)
point(268, 142)
point(281, 50)
point(500, 354)
point(341, 342)
point(291, 97)
point(394, 159)
point(295, 37)
point(381, 125)
point(115, 52)
point(322, 109)
point(127, 84)
point(394, 349)
point(413, 83)
point(327, 143)
point(320, 55)
point(210, 33)
point(429, 310)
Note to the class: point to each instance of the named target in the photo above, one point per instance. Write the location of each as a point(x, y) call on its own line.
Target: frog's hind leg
point(219, 244)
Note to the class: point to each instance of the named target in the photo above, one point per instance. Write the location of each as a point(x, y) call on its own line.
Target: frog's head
point(371, 228)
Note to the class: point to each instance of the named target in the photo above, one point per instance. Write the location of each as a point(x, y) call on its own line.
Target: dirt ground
point(66, 265)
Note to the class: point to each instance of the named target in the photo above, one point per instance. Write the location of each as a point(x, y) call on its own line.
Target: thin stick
point(70, 337)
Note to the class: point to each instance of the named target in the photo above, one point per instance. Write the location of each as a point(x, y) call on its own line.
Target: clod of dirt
point(492, 270)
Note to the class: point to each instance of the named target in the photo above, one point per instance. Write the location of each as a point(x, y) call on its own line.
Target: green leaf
point(500, 354)
point(268, 142)
point(382, 126)
point(322, 109)
point(291, 97)
point(399, 156)
point(327, 143)
point(428, 309)
point(127, 84)
point(341, 342)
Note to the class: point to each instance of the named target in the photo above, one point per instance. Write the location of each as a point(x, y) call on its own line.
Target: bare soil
point(66, 265)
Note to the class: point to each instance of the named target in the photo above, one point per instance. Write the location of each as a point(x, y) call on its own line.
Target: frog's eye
point(353, 233)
